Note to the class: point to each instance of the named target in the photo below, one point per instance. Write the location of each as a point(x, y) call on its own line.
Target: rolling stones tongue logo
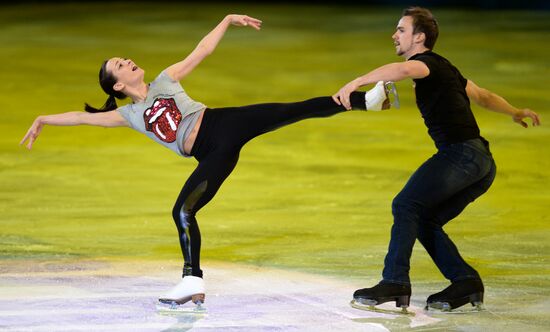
point(163, 119)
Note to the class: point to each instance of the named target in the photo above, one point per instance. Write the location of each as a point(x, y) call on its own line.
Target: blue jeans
point(435, 194)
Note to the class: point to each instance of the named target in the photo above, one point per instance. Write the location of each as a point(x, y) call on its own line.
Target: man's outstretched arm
point(391, 72)
point(496, 103)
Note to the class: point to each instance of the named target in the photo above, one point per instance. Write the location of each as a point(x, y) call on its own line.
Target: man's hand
point(342, 96)
point(526, 113)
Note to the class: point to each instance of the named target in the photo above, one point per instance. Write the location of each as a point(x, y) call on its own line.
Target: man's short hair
point(424, 21)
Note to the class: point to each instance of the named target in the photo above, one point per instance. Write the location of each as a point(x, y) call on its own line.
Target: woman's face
point(125, 71)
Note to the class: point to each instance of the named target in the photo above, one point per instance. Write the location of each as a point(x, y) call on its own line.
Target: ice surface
point(122, 296)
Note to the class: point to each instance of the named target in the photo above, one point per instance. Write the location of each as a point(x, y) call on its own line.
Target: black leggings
point(223, 132)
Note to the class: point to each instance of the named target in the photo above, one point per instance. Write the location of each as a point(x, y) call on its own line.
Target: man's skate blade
point(391, 91)
point(383, 310)
point(443, 308)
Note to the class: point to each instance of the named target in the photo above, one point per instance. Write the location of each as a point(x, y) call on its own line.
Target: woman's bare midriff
point(188, 144)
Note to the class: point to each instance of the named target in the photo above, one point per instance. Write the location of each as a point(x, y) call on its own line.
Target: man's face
point(403, 38)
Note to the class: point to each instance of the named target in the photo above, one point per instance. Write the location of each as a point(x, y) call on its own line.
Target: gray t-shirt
point(167, 116)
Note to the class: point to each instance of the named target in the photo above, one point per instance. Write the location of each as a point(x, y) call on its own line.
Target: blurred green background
point(315, 196)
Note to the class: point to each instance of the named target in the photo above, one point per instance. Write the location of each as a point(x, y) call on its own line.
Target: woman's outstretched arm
point(106, 119)
point(208, 44)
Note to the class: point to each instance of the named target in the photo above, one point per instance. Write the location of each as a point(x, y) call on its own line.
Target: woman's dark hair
point(106, 80)
point(424, 21)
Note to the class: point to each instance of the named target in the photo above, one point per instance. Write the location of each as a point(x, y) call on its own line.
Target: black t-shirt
point(442, 100)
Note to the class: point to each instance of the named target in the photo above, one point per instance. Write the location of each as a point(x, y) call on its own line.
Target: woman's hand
point(33, 132)
point(208, 44)
point(244, 20)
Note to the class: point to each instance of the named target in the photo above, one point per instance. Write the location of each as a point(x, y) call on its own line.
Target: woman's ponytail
point(109, 105)
point(107, 80)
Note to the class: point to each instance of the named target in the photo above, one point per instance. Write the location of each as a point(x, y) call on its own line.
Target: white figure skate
point(190, 288)
point(377, 98)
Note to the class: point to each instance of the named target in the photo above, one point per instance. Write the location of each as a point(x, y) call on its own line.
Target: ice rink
point(87, 240)
point(121, 296)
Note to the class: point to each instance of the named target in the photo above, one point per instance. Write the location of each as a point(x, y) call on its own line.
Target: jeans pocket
point(468, 160)
point(476, 162)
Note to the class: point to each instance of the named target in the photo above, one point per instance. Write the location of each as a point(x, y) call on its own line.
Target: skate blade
point(445, 308)
point(198, 299)
point(174, 308)
point(391, 90)
point(371, 307)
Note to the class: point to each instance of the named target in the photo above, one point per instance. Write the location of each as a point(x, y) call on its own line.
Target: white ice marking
point(141, 326)
point(61, 311)
point(159, 132)
point(148, 112)
point(156, 103)
point(171, 122)
point(156, 116)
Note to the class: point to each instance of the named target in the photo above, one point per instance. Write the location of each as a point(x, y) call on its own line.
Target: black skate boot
point(382, 293)
point(458, 294)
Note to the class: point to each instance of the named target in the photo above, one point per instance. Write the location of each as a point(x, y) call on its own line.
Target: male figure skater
point(461, 170)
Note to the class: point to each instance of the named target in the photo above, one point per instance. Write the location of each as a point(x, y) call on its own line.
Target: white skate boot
point(377, 98)
point(190, 288)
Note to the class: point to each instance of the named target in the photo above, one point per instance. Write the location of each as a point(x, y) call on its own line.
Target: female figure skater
point(165, 113)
